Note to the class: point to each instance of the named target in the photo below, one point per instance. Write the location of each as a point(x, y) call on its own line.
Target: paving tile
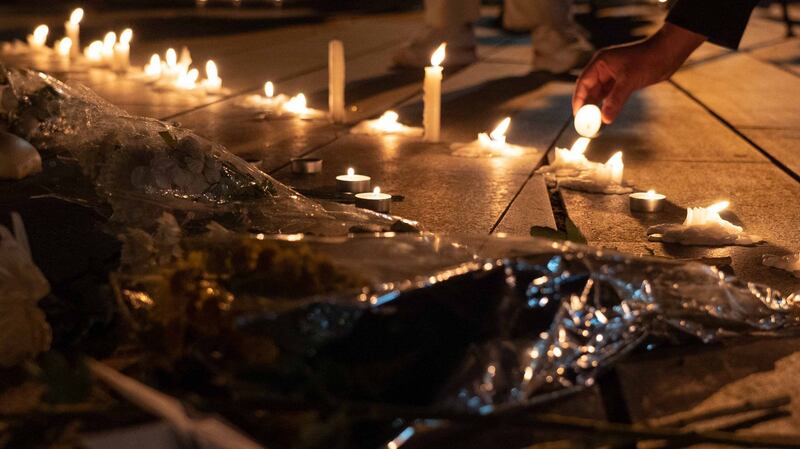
point(782, 144)
point(785, 54)
point(760, 99)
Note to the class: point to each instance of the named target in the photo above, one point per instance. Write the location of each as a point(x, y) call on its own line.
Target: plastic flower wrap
point(144, 167)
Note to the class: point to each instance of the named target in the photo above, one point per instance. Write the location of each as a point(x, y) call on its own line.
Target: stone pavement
point(727, 126)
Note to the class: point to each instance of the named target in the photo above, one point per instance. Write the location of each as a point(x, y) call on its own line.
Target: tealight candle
point(152, 69)
point(38, 39)
point(109, 40)
point(351, 182)
point(375, 201)
point(336, 81)
point(212, 83)
point(63, 49)
point(122, 51)
point(611, 171)
point(588, 120)
point(649, 201)
point(72, 29)
point(432, 96)
point(94, 53)
point(187, 80)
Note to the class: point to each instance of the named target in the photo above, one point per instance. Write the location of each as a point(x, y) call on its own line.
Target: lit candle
point(388, 123)
point(703, 226)
point(611, 171)
point(351, 182)
point(94, 53)
point(336, 75)
point(298, 106)
point(63, 49)
point(122, 51)
point(187, 80)
point(185, 60)
point(432, 96)
point(571, 159)
point(170, 69)
point(649, 201)
point(699, 216)
point(109, 41)
point(489, 145)
point(212, 83)
point(375, 201)
point(152, 70)
point(38, 39)
point(588, 120)
point(72, 29)
point(269, 89)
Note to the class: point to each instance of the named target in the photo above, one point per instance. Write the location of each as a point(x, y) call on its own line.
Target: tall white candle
point(72, 28)
point(63, 49)
point(432, 96)
point(122, 51)
point(336, 74)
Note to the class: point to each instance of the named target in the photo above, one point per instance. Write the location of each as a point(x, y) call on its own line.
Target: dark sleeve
point(721, 21)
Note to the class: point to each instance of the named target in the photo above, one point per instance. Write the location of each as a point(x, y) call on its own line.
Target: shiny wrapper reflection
point(496, 322)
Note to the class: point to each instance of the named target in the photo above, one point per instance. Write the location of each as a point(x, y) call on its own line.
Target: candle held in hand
point(72, 29)
point(432, 96)
point(353, 183)
point(336, 80)
point(588, 120)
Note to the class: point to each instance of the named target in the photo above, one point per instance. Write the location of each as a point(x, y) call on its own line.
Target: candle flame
point(269, 89)
point(211, 70)
point(351, 171)
point(109, 40)
point(651, 194)
point(94, 51)
point(76, 16)
point(40, 34)
point(188, 80)
point(126, 36)
point(499, 133)
point(171, 57)
point(64, 46)
point(580, 145)
point(186, 58)
point(718, 207)
point(376, 190)
point(438, 56)
point(389, 117)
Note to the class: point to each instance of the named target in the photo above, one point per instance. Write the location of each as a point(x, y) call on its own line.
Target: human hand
point(614, 73)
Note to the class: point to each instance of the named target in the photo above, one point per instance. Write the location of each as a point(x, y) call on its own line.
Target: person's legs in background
point(559, 43)
point(448, 21)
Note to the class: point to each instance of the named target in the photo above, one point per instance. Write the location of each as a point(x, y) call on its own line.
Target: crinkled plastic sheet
point(563, 312)
point(144, 167)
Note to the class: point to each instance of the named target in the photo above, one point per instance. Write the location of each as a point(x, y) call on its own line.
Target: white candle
point(212, 83)
point(336, 80)
point(94, 53)
point(122, 51)
point(63, 49)
point(72, 29)
point(187, 80)
point(109, 41)
point(153, 69)
point(351, 182)
point(611, 171)
point(185, 60)
point(432, 96)
point(375, 200)
point(698, 216)
point(388, 123)
point(170, 70)
point(38, 39)
point(269, 90)
point(588, 120)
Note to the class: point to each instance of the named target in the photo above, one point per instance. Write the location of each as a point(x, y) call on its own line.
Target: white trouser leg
point(451, 13)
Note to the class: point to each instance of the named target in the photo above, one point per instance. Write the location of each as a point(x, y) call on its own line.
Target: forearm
point(671, 46)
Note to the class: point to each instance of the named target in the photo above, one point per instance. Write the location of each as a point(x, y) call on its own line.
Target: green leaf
point(570, 234)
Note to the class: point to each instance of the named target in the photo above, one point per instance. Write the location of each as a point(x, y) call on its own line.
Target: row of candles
point(177, 72)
